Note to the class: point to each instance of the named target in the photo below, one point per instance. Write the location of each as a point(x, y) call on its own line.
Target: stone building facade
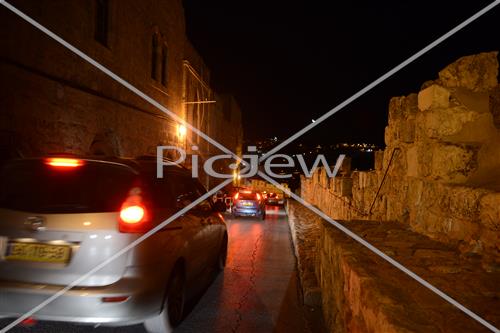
point(226, 124)
point(227, 129)
point(217, 115)
point(52, 101)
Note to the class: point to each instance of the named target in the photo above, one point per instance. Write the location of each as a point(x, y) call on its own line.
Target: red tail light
point(117, 299)
point(29, 322)
point(236, 196)
point(258, 196)
point(60, 162)
point(134, 215)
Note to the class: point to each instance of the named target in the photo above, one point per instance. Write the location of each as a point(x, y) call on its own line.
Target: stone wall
point(440, 171)
point(361, 292)
point(51, 101)
point(306, 232)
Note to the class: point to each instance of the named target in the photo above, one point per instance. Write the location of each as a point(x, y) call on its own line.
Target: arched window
point(164, 64)
point(101, 21)
point(154, 56)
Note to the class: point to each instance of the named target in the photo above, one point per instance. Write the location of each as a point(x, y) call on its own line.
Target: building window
point(154, 57)
point(164, 63)
point(101, 21)
point(159, 59)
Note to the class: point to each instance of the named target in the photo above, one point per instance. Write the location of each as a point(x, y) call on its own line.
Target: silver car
point(61, 217)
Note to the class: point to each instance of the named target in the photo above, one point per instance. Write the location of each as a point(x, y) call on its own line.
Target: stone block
point(428, 222)
point(395, 109)
point(389, 152)
point(456, 124)
point(345, 186)
point(462, 201)
point(476, 72)
point(398, 166)
point(379, 160)
point(412, 162)
point(433, 97)
point(415, 190)
point(402, 107)
point(495, 106)
point(355, 181)
point(390, 136)
point(445, 122)
point(345, 168)
point(459, 229)
point(474, 101)
point(452, 163)
point(407, 131)
point(489, 211)
point(489, 247)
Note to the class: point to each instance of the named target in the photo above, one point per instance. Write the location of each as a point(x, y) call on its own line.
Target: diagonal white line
point(117, 78)
point(115, 256)
point(382, 254)
point(381, 79)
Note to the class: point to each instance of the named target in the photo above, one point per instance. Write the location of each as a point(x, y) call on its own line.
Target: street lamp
point(236, 178)
point(181, 131)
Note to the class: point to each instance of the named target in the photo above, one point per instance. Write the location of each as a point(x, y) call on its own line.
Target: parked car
point(61, 217)
point(274, 199)
point(248, 203)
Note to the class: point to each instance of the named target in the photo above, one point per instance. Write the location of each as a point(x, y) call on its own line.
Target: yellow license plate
point(38, 252)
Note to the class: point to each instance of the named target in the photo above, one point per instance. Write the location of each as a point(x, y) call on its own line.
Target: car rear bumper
point(275, 202)
point(85, 305)
point(247, 211)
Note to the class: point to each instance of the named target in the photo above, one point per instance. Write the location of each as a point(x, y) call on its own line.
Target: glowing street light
point(181, 131)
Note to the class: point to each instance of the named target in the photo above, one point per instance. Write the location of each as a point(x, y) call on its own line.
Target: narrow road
point(258, 291)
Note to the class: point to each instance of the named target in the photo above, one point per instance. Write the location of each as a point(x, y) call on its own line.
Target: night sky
point(289, 62)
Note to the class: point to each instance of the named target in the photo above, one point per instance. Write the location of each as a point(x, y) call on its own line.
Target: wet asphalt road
point(258, 291)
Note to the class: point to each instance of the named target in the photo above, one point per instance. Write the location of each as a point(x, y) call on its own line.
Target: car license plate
point(247, 204)
point(38, 252)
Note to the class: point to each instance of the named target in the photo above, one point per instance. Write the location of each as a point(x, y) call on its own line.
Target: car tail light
point(134, 214)
point(29, 322)
point(116, 299)
point(258, 196)
point(236, 196)
point(65, 163)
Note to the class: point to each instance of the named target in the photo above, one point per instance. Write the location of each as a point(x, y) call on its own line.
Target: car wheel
point(173, 306)
point(221, 260)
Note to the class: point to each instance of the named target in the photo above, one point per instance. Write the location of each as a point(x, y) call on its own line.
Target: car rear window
point(36, 187)
point(247, 196)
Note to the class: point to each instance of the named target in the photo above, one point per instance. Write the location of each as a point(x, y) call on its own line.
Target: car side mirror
point(219, 207)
